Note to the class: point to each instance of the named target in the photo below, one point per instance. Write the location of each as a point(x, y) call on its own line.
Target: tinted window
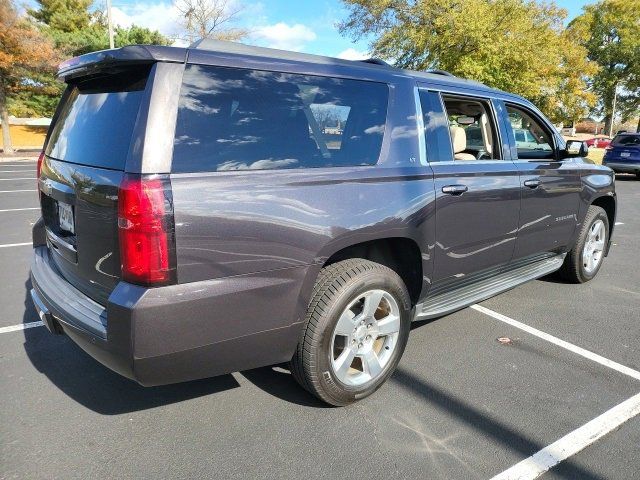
point(235, 119)
point(532, 139)
point(96, 122)
point(626, 140)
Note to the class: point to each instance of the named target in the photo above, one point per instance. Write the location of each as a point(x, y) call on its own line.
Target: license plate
point(65, 216)
point(625, 154)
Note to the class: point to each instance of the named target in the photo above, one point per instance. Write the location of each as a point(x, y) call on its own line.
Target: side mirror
point(576, 148)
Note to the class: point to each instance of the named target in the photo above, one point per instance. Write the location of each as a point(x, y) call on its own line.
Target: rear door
point(550, 187)
point(477, 189)
point(85, 157)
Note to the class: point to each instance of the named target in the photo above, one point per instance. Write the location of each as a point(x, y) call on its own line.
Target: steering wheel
point(482, 155)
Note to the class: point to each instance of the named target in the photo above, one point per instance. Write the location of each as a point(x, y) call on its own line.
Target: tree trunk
point(638, 127)
point(4, 117)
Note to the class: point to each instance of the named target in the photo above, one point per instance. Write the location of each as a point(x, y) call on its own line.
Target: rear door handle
point(533, 183)
point(454, 189)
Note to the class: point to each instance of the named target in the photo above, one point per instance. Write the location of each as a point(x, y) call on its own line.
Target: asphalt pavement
point(462, 405)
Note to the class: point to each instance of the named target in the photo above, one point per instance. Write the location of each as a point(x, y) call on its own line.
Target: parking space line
point(17, 171)
point(16, 191)
point(619, 223)
point(20, 178)
point(19, 209)
point(573, 442)
point(561, 343)
point(6, 245)
point(22, 326)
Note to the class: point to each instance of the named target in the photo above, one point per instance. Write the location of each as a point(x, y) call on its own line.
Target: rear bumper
point(181, 332)
point(620, 167)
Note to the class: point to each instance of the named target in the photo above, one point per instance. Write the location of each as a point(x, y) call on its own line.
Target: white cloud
point(284, 36)
point(352, 54)
point(156, 16)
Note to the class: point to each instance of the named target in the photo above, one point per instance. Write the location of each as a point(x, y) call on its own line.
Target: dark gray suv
point(222, 207)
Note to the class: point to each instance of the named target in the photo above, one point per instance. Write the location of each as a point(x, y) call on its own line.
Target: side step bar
point(462, 297)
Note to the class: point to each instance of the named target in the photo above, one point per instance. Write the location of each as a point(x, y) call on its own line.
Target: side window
point(238, 119)
point(533, 141)
point(471, 128)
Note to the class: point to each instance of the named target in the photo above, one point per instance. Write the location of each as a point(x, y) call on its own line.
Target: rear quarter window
point(96, 121)
point(238, 119)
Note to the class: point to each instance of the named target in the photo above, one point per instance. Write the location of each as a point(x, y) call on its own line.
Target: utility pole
point(613, 109)
point(111, 45)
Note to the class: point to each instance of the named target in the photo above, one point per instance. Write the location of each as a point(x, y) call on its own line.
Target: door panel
point(550, 188)
point(477, 201)
point(477, 229)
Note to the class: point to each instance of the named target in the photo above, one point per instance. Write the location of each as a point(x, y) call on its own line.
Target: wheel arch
point(608, 204)
point(400, 254)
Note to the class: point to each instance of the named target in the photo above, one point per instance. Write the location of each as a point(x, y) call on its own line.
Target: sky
point(302, 25)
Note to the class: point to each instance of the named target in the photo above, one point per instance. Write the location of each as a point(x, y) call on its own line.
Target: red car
point(599, 142)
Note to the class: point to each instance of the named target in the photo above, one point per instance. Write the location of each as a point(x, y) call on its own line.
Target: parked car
point(195, 222)
point(623, 155)
point(599, 142)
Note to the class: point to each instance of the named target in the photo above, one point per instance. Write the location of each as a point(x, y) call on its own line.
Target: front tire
point(585, 259)
point(357, 325)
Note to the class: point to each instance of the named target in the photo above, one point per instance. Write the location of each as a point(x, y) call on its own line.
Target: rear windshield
point(237, 119)
point(626, 140)
point(96, 122)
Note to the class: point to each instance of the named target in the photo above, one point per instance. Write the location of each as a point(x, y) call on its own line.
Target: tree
point(24, 54)
point(515, 45)
point(135, 35)
point(210, 19)
point(610, 31)
point(63, 15)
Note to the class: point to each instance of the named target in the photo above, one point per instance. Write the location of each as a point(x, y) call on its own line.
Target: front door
point(550, 187)
point(477, 190)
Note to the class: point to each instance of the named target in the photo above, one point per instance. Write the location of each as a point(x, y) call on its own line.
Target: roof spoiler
point(132, 54)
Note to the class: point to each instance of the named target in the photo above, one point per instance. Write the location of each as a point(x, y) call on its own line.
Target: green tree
point(135, 35)
point(610, 31)
point(25, 55)
point(515, 45)
point(63, 15)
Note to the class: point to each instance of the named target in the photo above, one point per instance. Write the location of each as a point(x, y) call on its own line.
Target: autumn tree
point(515, 45)
point(25, 54)
point(610, 31)
point(210, 19)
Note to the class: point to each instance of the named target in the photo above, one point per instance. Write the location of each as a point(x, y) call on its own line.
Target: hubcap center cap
point(361, 334)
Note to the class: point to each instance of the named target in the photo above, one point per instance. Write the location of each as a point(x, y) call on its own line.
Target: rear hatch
point(624, 148)
point(85, 158)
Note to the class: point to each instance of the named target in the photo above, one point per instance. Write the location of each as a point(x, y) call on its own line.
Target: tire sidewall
point(599, 215)
point(340, 393)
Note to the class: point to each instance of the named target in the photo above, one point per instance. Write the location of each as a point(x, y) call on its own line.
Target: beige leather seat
point(459, 142)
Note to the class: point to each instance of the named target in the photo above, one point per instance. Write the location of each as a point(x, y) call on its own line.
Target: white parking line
point(19, 209)
point(16, 191)
point(6, 245)
point(21, 326)
point(619, 223)
point(574, 442)
point(561, 343)
point(17, 171)
point(20, 178)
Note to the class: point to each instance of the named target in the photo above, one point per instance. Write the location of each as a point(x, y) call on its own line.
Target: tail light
point(39, 167)
point(146, 230)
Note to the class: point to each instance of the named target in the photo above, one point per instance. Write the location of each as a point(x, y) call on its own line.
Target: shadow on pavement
point(481, 422)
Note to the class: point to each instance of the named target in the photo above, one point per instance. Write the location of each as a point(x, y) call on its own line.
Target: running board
point(462, 297)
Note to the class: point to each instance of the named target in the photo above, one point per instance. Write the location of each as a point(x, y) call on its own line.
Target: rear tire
point(357, 325)
point(585, 259)
point(637, 175)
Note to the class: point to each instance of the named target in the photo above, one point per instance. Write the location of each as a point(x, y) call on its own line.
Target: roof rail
point(444, 73)
point(375, 61)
